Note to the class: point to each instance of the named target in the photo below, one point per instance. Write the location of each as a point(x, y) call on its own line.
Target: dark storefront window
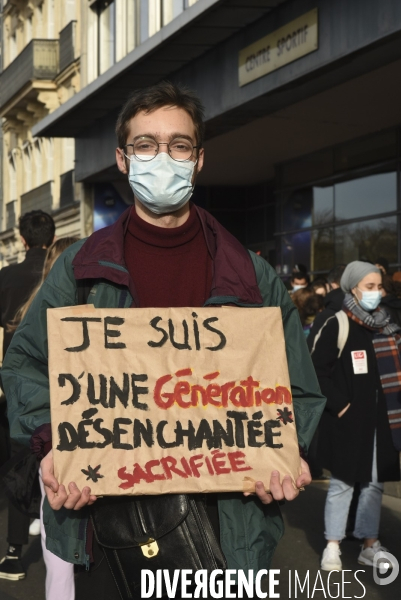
point(373, 194)
point(366, 240)
point(322, 250)
point(248, 212)
point(331, 220)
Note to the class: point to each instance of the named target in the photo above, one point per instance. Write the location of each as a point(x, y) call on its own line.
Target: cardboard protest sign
point(170, 400)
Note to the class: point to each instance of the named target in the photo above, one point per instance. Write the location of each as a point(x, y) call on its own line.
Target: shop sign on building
point(279, 48)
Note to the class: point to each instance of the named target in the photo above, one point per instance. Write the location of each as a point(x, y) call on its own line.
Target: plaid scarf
point(387, 345)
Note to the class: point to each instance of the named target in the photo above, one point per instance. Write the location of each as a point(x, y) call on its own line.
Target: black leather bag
point(154, 532)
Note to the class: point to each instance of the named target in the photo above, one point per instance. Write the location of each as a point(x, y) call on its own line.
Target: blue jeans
point(338, 502)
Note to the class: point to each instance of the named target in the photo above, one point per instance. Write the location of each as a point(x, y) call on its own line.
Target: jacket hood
point(334, 300)
point(102, 257)
point(391, 302)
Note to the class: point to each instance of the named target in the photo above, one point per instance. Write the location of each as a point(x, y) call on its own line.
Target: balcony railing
point(11, 217)
point(67, 45)
point(40, 198)
point(67, 191)
point(38, 60)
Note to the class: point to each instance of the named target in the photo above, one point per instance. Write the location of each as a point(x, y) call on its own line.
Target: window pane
point(322, 250)
point(307, 207)
point(297, 209)
point(323, 209)
point(367, 240)
point(106, 37)
point(366, 196)
point(295, 248)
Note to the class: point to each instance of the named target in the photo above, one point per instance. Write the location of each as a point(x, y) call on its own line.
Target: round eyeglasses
point(146, 148)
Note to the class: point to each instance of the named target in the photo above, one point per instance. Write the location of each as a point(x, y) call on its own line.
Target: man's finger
point(56, 500)
point(288, 489)
point(276, 489)
point(264, 497)
point(84, 499)
point(73, 496)
point(47, 472)
point(305, 478)
point(302, 480)
point(50, 481)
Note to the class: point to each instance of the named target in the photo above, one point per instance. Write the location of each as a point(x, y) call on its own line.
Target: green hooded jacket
point(249, 530)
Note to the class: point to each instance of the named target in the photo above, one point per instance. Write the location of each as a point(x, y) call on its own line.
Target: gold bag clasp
point(150, 549)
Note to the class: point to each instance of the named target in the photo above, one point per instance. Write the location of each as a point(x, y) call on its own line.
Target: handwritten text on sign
point(152, 401)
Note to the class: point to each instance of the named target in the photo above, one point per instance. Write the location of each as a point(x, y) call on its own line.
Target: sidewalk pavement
point(297, 554)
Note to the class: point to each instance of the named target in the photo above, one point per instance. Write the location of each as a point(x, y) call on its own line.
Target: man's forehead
point(162, 121)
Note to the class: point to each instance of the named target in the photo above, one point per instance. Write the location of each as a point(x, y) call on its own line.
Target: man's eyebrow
point(172, 136)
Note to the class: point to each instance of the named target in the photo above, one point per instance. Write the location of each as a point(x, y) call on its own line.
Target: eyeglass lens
point(146, 148)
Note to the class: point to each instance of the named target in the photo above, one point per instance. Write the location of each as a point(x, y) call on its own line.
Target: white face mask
point(162, 184)
point(295, 288)
point(370, 299)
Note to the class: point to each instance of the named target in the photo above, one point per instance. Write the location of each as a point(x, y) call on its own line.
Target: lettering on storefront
point(279, 48)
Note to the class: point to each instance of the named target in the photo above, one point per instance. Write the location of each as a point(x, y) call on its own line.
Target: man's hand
point(57, 494)
point(284, 491)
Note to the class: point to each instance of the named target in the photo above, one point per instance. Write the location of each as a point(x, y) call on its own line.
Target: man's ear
point(201, 157)
point(121, 161)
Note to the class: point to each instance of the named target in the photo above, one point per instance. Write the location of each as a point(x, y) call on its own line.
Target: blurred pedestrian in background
point(309, 304)
point(382, 264)
point(359, 439)
point(299, 278)
point(319, 286)
point(391, 298)
point(333, 302)
point(17, 281)
point(59, 574)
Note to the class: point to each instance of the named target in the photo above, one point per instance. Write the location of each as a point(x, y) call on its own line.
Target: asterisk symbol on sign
point(92, 473)
point(285, 416)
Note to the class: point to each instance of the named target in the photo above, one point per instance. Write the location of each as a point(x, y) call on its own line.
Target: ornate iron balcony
point(38, 60)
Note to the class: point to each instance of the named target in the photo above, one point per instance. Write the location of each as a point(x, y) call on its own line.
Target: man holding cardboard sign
point(165, 398)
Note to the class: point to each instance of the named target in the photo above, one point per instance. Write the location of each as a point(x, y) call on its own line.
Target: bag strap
point(343, 331)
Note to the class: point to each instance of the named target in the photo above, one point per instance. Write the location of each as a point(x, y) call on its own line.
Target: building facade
point(40, 71)
point(302, 150)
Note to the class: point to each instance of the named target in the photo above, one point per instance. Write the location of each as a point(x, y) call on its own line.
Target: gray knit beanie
point(354, 272)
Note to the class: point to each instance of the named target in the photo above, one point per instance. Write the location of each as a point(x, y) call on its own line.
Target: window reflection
point(106, 37)
point(297, 209)
point(366, 196)
point(367, 240)
point(322, 250)
point(296, 248)
point(308, 206)
point(323, 200)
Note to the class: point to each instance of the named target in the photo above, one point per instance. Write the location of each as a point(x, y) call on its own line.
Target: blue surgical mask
point(370, 299)
point(295, 288)
point(162, 184)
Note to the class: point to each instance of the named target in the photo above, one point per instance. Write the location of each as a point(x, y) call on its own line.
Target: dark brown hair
point(37, 228)
point(308, 303)
point(52, 254)
point(156, 96)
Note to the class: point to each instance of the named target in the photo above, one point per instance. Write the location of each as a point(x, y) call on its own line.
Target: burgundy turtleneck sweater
point(169, 267)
